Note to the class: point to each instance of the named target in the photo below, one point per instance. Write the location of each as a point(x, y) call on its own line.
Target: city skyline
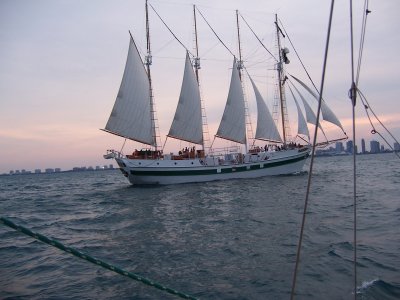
point(62, 64)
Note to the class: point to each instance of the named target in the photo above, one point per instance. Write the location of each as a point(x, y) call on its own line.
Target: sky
point(61, 64)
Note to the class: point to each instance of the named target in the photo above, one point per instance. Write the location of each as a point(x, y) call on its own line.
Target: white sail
point(233, 123)
point(327, 113)
point(310, 115)
point(266, 128)
point(302, 124)
point(187, 123)
point(131, 114)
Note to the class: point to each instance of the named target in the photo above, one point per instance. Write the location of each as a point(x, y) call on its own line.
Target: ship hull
point(165, 172)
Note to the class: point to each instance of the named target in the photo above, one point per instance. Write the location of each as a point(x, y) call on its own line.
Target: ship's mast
point(148, 62)
point(281, 80)
point(196, 65)
point(249, 128)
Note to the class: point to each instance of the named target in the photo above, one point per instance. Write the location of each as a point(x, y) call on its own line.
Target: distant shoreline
point(58, 172)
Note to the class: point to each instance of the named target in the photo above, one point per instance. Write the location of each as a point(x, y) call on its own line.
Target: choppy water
point(220, 240)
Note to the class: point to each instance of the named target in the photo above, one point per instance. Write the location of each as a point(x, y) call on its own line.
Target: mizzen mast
point(281, 81)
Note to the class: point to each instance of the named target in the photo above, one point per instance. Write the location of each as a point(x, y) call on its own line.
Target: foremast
point(249, 128)
point(148, 62)
point(196, 65)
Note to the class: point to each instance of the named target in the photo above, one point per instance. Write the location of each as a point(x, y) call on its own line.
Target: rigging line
point(373, 131)
point(92, 259)
point(353, 95)
point(362, 40)
point(298, 56)
point(123, 145)
point(169, 29)
point(312, 154)
point(215, 32)
point(262, 44)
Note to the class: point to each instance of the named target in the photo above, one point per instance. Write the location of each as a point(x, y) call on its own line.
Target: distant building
point(57, 170)
point(339, 147)
point(349, 146)
point(396, 146)
point(49, 170)
point(363, 146)
point(111, 167)
point(374, 147)
point(382, 148)
point(356, 149)
point(38, 171)
point(12, 172)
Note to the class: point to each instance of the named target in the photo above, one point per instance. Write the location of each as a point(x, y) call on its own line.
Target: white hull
point(159, 171)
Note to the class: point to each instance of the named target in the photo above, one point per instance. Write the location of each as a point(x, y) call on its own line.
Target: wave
point(378, 289)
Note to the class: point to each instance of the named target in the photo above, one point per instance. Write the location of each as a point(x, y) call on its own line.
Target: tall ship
point(133, 117)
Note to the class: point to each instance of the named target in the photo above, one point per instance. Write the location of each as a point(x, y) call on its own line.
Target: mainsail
point(187, 123)
point(131, 114)
point(327, 113)
point(266, 128)
point(233, 124)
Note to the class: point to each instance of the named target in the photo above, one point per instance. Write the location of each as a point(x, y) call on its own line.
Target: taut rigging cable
point(312, 155)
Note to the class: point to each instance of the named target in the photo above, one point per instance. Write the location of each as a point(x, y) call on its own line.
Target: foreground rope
point(93, 260)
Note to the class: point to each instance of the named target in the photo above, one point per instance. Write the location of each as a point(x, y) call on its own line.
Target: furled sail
point(131, 114)
point(302, 124)
point(187, 123)
point(327, 113)
point(266, 128)
point(233, 123)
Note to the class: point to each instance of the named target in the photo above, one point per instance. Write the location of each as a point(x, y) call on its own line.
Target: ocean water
point(232, 239)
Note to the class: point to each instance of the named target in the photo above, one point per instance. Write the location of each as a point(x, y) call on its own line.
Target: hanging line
point(169, 29)
point(93, 260)
point(214, 32)
point(374, 131)
point(312, 156)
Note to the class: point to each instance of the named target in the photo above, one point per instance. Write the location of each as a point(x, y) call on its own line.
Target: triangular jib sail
point(302, 124)
point(327, 113)
point(131, 115)
point(187, 123)
point(266, 128)
point(233, 124)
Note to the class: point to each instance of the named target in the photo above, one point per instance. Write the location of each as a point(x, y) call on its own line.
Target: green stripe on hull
point(214, 170)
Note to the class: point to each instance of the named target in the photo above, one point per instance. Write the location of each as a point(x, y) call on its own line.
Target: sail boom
point(185, 140)
point(269, 140)
point(231, 140)
point(126, 137)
